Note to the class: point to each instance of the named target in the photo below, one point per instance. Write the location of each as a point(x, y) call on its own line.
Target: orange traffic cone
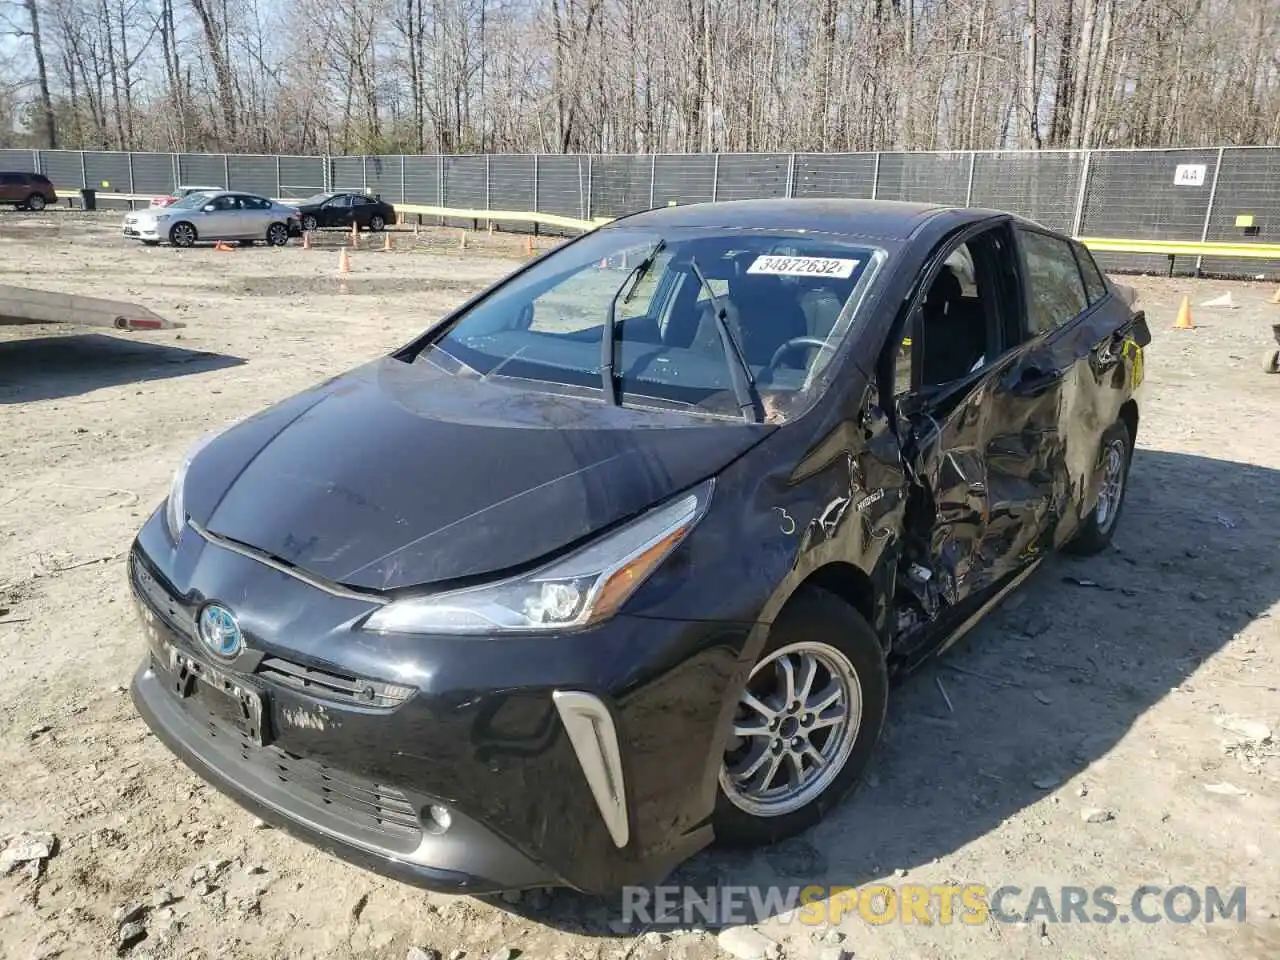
point(462, 240)
point(344, 262)
point(306, 239)
point(223, 247)
point(1183, 321)
point(355, 235)
point(387, 243)
point(528, 246)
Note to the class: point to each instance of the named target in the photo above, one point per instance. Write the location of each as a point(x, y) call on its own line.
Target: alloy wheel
point(183, 235)
point(1112, 484)
point(795, 724)
point(309, 223)
point(277, 235)
point(36, 202)
point(376, 223)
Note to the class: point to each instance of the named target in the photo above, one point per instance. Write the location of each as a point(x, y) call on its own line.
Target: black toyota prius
point(618, 559)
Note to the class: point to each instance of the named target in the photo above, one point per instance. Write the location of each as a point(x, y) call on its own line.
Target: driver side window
point(955, 329)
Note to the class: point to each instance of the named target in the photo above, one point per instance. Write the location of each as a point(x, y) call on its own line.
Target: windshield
point(190, 201)
point(787, 300)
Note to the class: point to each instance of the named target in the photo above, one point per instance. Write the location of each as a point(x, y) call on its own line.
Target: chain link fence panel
point(153, 173)
point(346, 173)
point(301, 177)
point(748, 176)
point(564, 185)
point(511, 182)
point(384, 177)
point(1177, 194)
point(688, 178)
point(422, 175)
point(1246, 208)
point(257, 175)
point(202, 170)
point(924, 177)
point(620, 184)
point(19, 161)
point(1148, 195)
point(1044, 187)
point(849, 176)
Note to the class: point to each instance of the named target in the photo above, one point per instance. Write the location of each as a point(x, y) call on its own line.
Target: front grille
point(328, 685)
point(369, 805)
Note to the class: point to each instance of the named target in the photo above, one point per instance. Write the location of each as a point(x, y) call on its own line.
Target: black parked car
point(619, 558)
point(344, 209)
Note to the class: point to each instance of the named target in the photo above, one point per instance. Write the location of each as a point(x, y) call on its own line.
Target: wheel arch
point(1128, 415)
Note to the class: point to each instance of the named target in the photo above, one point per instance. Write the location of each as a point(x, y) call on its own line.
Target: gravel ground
point(1111, 725)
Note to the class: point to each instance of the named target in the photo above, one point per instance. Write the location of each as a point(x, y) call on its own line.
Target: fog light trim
point(595, 741)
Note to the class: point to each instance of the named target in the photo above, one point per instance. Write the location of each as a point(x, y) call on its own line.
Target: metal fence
point(1230, 193)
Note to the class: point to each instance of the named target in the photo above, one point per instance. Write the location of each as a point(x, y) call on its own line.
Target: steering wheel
point(795, 343)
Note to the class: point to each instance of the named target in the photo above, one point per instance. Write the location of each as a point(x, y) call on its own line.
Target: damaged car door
point(1081, 363)
point(977, 424)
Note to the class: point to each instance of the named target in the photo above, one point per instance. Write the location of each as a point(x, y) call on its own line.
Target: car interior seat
point(953, 331)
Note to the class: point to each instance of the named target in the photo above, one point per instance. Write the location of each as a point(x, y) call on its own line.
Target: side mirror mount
point(1141, 332)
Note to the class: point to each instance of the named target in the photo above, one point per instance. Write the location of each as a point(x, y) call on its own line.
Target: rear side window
point(1094, 285)
point(1057, 294)
point(11, 178)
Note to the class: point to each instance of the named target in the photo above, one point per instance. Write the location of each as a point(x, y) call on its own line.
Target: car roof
point(888, 220)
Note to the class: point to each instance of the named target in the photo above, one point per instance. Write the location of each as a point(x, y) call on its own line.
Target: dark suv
point(27, 191)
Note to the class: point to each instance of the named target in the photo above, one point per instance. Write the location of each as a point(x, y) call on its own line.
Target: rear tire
point(1115, 456)
point(277, 235)
point(376, 223)
point(183, 234)
point(309, 224)
point(818, 693)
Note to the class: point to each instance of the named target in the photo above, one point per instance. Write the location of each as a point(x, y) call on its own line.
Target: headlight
point(175, 513)
point(585, 587)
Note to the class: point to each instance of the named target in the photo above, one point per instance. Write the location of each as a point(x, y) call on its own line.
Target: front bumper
point(366, 824)
point(141, 231)
point(364, 733)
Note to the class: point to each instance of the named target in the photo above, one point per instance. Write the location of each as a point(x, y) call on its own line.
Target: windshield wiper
point(744, 384)
point(608, 344)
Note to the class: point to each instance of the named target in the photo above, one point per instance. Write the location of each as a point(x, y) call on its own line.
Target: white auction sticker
point(803, 266)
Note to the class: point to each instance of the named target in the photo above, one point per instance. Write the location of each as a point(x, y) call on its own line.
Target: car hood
point(400, 474)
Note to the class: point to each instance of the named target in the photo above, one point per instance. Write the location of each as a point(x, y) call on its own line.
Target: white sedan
point(217, 215)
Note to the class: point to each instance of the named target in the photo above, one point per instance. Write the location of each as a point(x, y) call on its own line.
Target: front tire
point(182, 234)
point(376, 223)
point(1115, 456)
point(35, 202)
point(806, 725)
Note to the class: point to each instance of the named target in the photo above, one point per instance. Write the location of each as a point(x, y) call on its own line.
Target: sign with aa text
point(1189, 175)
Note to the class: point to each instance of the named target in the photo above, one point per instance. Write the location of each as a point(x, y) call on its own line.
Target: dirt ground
point(1142, 683)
